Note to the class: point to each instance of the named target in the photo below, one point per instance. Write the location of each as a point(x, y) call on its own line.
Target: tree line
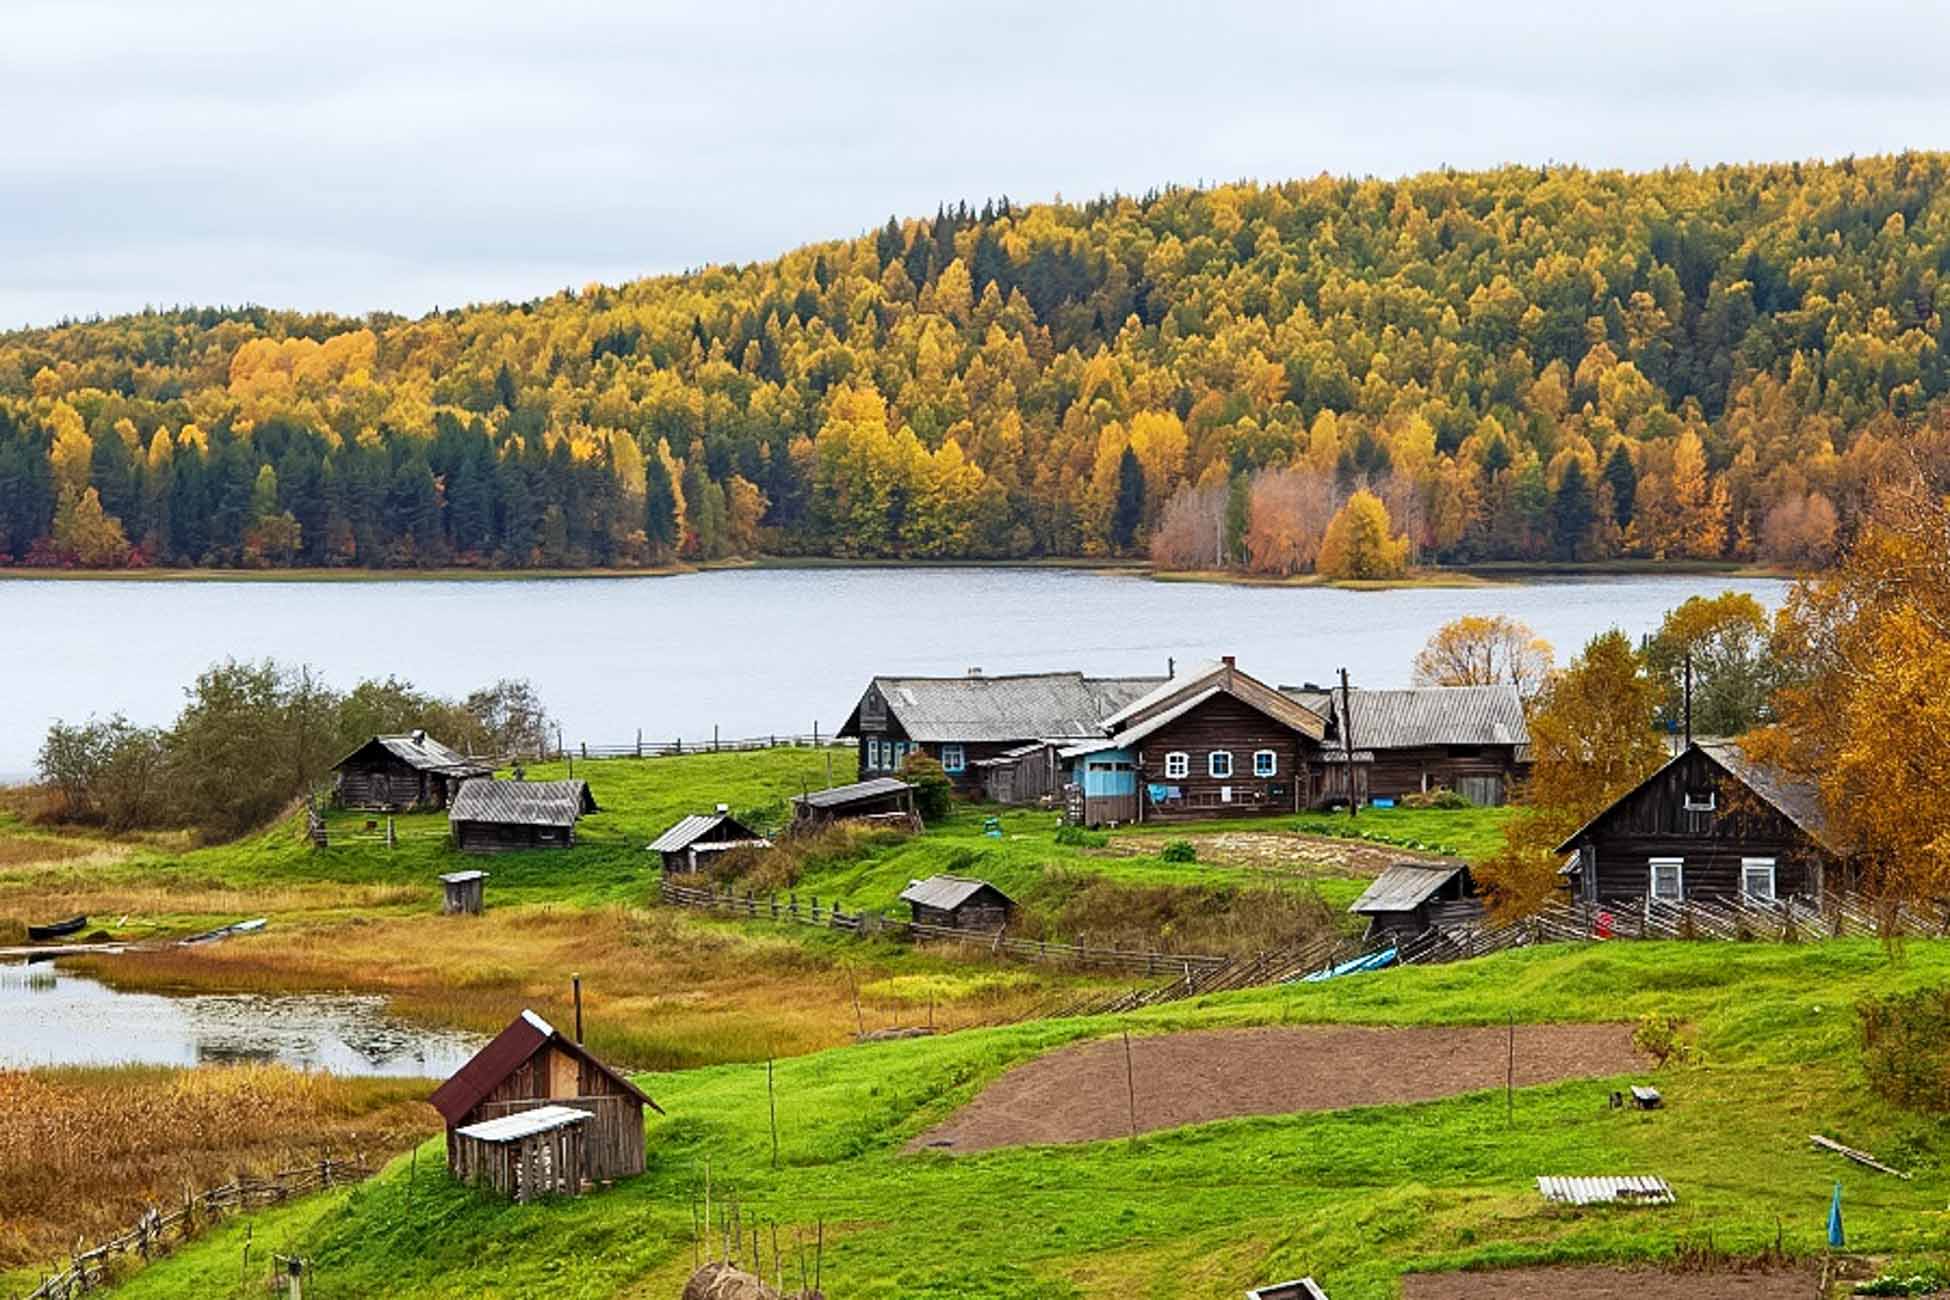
point(1520, 364)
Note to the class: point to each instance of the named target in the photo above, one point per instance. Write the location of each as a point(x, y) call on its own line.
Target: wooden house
point(694, 841)
point(1213, 742)
point(529, 1068)
point(489, 816)
point(1469, 739)
point(1410, 898)
point(882, 799)
point(465, 893)
point(1711, 822)
point(965, 721)
point(958, 903)
point(402, 774)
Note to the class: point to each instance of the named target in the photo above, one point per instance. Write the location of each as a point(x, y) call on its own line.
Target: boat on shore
point(56, 929)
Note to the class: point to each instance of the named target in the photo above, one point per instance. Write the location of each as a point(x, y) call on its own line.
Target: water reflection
point(49, 1016)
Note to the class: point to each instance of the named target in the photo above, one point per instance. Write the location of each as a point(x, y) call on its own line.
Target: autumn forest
point(1529, 364)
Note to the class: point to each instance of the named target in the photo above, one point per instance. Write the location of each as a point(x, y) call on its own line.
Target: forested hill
point(1523, 363)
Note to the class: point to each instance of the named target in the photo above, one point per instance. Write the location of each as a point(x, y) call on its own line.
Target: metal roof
point(840, 795)
point(507, 1052)
point(1163, 691)
point(696, 826)
point(978, 707)
point(462, 877)
point(423, 753)
point(1301, 1289)
point(1404, 887)
point(1631, 1190)
point(521, 803)
point(1425, 715)
point(947, 892)
point(523, 1124)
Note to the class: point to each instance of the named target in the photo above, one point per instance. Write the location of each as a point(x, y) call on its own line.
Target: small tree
point(511, 716)
point(1734, 668)
point(932, 788)
point(1359, 543)
point(1475, 650)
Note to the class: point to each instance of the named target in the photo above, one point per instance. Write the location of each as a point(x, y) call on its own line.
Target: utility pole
point(1689, 699)
point(1347, 744)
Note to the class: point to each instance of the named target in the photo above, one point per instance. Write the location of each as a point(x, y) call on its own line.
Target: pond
point(50, 1016)
point(750, 651)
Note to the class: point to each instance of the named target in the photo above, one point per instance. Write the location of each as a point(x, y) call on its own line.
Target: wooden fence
point(655, 748)
point(158, 1230)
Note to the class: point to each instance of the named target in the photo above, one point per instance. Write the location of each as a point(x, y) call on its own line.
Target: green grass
point(1353, 1197)
point(1469, 833)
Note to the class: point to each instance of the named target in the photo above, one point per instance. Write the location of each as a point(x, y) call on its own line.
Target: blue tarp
point(1372, 961)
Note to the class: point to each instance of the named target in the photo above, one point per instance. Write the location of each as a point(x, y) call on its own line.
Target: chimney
point(419, 737)
point(723, 808)
point(974, 672)
point(1228, 661)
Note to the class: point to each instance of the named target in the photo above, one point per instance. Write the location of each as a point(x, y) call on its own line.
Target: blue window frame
point(953, 758)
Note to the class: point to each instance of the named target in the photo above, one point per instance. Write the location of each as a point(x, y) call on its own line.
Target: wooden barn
point(402, 774)
point(1028, 774)
point(958, 903)
point(489, 816)
point(1469, 739)
point(1410, 898)
point(694, 841)
point(1214, 742)
point(882, 799)
point(502, 1111)
point(1709, 823)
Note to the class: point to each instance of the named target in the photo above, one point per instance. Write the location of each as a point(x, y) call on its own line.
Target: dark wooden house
point(881, 799)
point(1469, 739)
point(965, 721)
point(526, 1068)
point(402, 774)
point(958, 903)
point(1214, 742)
point(1710, 823)
point(489, 816)
point(1410, 898)
point(694, 841)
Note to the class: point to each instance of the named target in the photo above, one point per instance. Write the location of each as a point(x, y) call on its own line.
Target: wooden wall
point(613, 1139)
point(499, 837)
point(388, 784)
point(1224, 723)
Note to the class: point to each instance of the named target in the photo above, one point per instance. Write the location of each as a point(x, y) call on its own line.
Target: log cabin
point(958, 903)
point(1411, 898)
point(694, 841)
point(407, 773)
point(489, 816)
point(527, 1067)
point(883, 799)
point(1469, 739)
point(1710, 823)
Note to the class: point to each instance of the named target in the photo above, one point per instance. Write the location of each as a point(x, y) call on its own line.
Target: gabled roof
point(1179, 696)
point(1405, 886)
point(511, 1049)
point(1425, 715)
point(840, 795)
point(696, 826)
point(978, 707)
point(947, 892)
point(423, 753)
point(1798, 801)
point(521, 803)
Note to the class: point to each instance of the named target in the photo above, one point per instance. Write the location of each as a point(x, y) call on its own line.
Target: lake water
point(50, 1016)
point(753, 651)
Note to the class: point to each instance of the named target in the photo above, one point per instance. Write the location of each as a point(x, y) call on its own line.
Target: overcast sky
point(354, 156)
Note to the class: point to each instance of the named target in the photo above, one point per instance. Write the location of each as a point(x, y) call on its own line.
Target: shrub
point(1442, 799)
point(1077, 837)
point(1921, 1279)
point(1906, 1048)
point(1179, 851)
point(1658, 1036)
point(932, 788)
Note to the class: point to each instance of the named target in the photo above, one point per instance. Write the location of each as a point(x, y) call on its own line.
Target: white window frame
point(1694, 803)
point(1212, 764)
point(873, 755)
point(1178, 765)
point(1652, 879)
point(954, 758)
point(1773, 879)
point(1271, 767)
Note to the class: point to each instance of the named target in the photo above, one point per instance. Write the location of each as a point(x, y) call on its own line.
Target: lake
point(50, 1016)
point(752, 651)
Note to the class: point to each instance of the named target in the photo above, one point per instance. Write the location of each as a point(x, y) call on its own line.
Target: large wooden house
point(1710, 823)
point(1469, 739)
point(402, 774)
point(1211, 742)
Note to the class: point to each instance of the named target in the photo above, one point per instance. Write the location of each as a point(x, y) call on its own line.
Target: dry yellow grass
point(84, 1151)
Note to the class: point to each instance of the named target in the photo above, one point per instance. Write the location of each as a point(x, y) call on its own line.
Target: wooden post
point(1130, 1082)
point(639, 742)
point(714, 738)
point(853, 983)
point(1510, 1077)
point(392, 839)
point(772, 1100)
point(575, 982)
point(1347, 743)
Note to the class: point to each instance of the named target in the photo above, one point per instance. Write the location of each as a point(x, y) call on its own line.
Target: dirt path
point(1606, 1284)
point(1079, 1094)
point(1287, 851)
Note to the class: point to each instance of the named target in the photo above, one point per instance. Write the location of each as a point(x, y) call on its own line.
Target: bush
point(1920, 1279)
point(1442, 799)
point(1658, 1036)
point(932, 788)
point(1077, 837)
point(1179, 851)
point(1906, 1048)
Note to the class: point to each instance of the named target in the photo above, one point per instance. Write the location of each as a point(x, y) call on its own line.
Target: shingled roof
point(522, 803)
point(509, 1050)
point(946, 893)
point(981, 708)
point(1405, 886)
point(422, 753)
point(1172, 699)
point(688, 831)
point(1798, 801)
point(1417, 716)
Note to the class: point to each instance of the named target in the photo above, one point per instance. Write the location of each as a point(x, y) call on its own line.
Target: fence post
point(714, 738)
point(392, 839)
point(639, 742)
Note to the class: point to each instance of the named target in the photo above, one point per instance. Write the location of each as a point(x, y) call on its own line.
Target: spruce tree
point(659, 505)
point(1571, 513)
point(1128, 514)
point(1624, 480)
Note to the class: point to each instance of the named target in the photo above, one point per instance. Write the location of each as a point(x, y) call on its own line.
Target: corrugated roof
point(946, 892)
point(696, 826)
point(1163, 691)
point(509, 1050)
point(521, 803)
point(840, 795)
point(423, 753)
point(461, 877)
point(524, 1123)
point(1426, 715)
point(1630, 1190)
point(1027, 706)
point(1404, 887)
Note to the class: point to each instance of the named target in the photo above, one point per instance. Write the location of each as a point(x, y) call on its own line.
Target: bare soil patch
point(1607, 1284)
point(1284, 851)
point(1079, 1094)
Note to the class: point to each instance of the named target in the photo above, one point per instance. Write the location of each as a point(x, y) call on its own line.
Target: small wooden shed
point(465, 893)
point(527, 1155)
point(1304, 1288)
point(884, 798)
point(491, 816)
point(692, 842)
point(402, 774)
point(530, 1067)
point(1026, 774)
point(958, 903)
point(1410, 898)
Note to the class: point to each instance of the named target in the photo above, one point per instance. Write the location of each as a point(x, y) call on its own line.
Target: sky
point(403, 156)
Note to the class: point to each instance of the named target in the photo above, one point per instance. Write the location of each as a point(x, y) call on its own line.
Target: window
point(1669, 879)
point(953, 759)
point(1757, 879)
point(1178, 765)
point(1219, 763)
point(1699, 801)
point(873, 756)
point(1266, 763)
